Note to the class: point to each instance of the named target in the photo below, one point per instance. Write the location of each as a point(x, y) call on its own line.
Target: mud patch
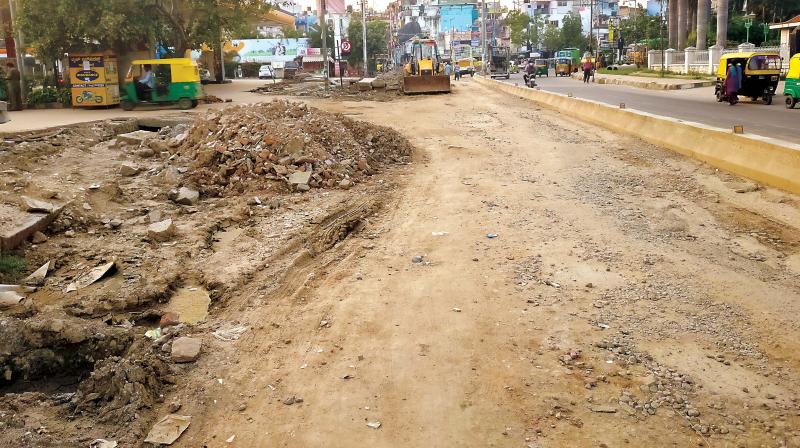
point(190, 304)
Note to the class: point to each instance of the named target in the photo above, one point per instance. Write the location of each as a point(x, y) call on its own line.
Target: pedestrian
point(740, 75)
point(731, 84)
point(447, 69)
point(14, 88)
point(457, 71)
point(588, 66)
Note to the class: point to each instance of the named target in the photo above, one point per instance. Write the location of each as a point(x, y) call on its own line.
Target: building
point(790, 36)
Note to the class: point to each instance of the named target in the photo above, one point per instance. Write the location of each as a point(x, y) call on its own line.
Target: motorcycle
point(530, 79)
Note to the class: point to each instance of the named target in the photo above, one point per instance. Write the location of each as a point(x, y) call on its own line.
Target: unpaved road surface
point(631, 298)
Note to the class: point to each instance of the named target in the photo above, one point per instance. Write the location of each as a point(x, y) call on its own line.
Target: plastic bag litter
point(230, 334)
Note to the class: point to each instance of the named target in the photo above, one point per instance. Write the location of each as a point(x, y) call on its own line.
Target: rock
point(33, 222)
point(345, 184)
point(128, 170)
point(603, 409)
point(746, 187)
point(175, 406)
point(161, 231)
point(295, 146)
point(154, 216)
point(303, 187)
point(38, 238)
point(187, 196)
point(417, 259)
point(169, 319)
point(115, 223)
point(35, 205)
point(87, 206)
point(145, 153)
point(300, 177)
point(186, 349)
point(363, 165)
point(136, 138)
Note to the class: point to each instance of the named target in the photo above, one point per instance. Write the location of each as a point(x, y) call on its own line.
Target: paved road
point(698, 105)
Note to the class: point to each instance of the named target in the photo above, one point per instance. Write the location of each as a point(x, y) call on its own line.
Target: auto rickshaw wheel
point(790, 102)
point(719, 96)
point(185, 103)
point(126, 105)
point(768, 99)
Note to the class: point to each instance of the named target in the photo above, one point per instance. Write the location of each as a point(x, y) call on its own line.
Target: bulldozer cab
point(424, 72)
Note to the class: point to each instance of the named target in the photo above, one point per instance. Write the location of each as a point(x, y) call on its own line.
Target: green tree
point(572, 31)
point(376, 39)
point(551, 38)
point(517, 22)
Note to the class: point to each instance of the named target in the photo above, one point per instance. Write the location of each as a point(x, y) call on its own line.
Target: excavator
point(424, 72)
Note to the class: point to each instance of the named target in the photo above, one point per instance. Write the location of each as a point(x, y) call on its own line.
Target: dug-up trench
point(155, 228)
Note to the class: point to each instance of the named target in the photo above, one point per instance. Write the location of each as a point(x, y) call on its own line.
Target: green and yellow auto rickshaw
point(792, 86)
point(542, 67)
point(162, 82)
point(761, 72)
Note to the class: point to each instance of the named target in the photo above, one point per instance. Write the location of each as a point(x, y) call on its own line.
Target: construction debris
point(92, 276)
point(289, 143)
point(168, 429)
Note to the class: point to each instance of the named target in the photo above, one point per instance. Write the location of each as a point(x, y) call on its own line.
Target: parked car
point(265, 72)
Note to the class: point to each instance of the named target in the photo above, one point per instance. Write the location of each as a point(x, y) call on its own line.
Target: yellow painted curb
point(769, 161)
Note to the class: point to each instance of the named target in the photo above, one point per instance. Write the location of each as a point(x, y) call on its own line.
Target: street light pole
point(661, 35)
point(364, 34)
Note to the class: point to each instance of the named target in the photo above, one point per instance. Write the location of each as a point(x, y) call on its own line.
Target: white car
point(265, 72)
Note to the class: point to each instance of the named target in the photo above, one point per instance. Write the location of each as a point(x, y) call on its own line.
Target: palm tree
point(722, 22)
point(702, 23)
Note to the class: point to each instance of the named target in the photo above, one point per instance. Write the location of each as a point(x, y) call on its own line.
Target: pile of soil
point(274, 141)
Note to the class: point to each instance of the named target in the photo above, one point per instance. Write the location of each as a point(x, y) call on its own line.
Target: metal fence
point(701, 57)
point(679, 57)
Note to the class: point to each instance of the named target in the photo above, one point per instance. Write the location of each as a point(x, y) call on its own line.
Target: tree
point(572, 31)
point(376, 39)
point(552, 38)
point(315, 37)
point(722, 22)
point(517, 22)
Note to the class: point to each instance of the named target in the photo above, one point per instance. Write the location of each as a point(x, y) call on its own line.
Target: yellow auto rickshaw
point(162, 81)
point(761, 72)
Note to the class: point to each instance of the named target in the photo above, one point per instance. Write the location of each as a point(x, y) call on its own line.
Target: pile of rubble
point(286, 143)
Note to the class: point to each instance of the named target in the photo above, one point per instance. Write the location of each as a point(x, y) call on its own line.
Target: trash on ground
point(374, 425)
point(38, 276)
point(168, 429)
point(92, 276)
point(491, 235)
point(457, 310)
point(103, 443)
point(440, 233)
point(153, 334)
point(230, 334)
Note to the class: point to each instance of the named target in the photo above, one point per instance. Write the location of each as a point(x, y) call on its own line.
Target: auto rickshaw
point(761, 72)
point(176, 81)
point(791, 87)
point(564, 66)
point(542, 68)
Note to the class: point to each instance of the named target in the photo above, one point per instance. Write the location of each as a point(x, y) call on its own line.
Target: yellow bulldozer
point(424, 72)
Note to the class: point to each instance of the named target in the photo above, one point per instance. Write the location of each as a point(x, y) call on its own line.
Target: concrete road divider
point(769, 161)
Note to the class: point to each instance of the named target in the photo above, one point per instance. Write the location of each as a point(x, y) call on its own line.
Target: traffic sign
point(346, 47)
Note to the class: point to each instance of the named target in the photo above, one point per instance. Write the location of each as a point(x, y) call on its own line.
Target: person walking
point(588, 66)
point(731, 85)
point(457, 71)
point(447, 69)
point(13, 78)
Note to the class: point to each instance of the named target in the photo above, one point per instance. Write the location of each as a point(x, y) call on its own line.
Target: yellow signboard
point(94, 79)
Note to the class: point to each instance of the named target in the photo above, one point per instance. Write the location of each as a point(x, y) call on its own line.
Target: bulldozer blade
point(426, 84)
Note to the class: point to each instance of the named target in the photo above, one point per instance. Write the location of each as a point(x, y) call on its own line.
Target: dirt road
point(631, 297)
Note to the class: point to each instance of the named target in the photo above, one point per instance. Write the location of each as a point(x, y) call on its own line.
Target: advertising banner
point(269, 50)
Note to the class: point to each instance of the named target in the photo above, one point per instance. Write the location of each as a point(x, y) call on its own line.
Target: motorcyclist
point(530, 71)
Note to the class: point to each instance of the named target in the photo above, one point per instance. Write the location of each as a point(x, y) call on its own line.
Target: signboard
point(347, 47)
point(94, 80)
point(269, 50)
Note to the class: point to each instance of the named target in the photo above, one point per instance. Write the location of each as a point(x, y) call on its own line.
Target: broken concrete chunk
point(128, 169)
point(154, 216)
point(300, 177)
point(35, 205)
point(345, 184)
point(136, 138)
point(161, 231)
point(186, 349)
point(38, 238)
point(33, 222)
point(168, 429)
point(187, 196)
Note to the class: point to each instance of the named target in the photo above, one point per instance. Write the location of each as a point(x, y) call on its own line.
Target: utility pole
point(484, 13)
point(661, 35)
point(324, 29)
point(364, 33)
point(19, 48)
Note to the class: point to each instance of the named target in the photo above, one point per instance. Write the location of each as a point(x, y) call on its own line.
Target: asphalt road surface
point(698, 105)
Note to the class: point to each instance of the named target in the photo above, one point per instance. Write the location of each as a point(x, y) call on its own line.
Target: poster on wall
point(268, 50)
